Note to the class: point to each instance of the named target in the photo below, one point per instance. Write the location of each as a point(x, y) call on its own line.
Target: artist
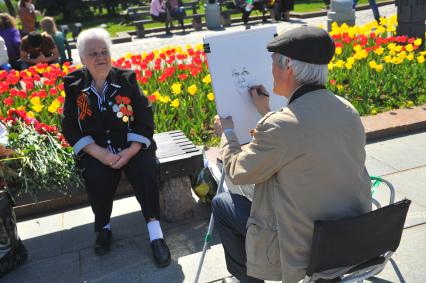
point(306, 161)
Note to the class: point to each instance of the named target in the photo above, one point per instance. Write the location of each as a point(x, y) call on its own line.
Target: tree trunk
point(10, 8)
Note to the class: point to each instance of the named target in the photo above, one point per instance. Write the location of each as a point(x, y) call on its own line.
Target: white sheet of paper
point(237, 61)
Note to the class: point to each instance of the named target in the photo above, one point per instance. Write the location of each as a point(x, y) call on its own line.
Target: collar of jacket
point(86, 79)
point(303, 90)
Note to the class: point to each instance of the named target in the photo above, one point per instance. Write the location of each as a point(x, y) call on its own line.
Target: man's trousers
point(102, 181)
point(231, 212)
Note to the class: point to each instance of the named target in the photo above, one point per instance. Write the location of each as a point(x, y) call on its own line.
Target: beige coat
point(307, 161)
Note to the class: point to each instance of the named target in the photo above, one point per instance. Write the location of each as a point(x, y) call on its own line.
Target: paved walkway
point(60, 245)
point(161, 40)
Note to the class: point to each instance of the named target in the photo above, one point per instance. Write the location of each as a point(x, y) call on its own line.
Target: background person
point(110, 125)
point(176, 11)
point(12, 38)
point(28, 15)
point(38, 48)
point(307, 161)
point(159, 13)
point(373, 6)
point(49, 26)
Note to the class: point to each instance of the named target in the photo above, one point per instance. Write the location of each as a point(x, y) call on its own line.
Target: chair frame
point(359, 275)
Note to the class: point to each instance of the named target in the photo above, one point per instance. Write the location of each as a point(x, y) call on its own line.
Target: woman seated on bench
point(159, 13)
point(176, 11)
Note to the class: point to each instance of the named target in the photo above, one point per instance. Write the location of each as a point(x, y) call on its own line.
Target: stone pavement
point(60, 245)
point(155, 41)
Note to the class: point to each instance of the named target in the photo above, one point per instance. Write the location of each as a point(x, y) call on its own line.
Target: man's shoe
point(230, 280)
point(161, 252)
point(103, 241)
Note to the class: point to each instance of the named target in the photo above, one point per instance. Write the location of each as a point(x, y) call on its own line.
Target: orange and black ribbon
point(83, 105)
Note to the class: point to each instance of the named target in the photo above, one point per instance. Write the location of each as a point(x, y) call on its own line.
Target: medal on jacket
point(123, 109)
point(83, 106)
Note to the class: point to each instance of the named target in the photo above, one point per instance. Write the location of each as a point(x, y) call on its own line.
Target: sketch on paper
point(241, 79)
point(237, 61)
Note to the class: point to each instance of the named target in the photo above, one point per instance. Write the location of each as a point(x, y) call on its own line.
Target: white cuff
point(84, 141)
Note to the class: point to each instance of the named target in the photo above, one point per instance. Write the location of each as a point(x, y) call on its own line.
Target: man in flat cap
point(307, 161)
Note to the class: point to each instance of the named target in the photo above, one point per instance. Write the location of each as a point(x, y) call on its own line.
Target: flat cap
point(308, 44)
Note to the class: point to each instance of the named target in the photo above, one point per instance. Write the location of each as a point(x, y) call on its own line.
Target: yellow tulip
point(379, 68)
point(398, 48)
point(207, 79)
point(210, 96)
point(418, 42)
point(35, 100)
point(52, 108)
point(176, 88)
point(330, 66)
point(156, 94)
point(30, 114)
point(192, 89)
point(403, 54)
point(421, 59)
point(164, 99)
point(409, 47)
point(175, 103)
point(388, 59)
point(357, 48)
point(338, 50)
point(340, 63)
point(37, 107)
point(372, 64)
point(348, 66)
point(379, 51)
point(410, 57)
point(351, 60)
point(339, 87)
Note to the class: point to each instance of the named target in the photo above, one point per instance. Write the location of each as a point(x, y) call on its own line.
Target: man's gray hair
point(93, 33)
point(304, 73)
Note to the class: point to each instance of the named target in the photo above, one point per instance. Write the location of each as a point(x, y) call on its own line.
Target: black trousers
point(231, 212)
point(102, 181)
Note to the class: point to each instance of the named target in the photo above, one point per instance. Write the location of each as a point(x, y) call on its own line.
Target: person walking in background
point(373, 6)
point(27, 14)
point(12, 38)
point(159, 13)
point(48, 25)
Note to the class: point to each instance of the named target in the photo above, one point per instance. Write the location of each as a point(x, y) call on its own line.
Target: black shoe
point(161, 252)
point(230, 280)
point(103, 242)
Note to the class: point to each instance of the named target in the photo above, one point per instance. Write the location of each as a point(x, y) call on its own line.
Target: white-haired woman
point(110, 125)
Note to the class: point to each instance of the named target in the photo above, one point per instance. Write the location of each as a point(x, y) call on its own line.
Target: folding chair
point(356, 248)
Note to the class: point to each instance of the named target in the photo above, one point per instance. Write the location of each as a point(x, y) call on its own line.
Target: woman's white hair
point(304, 73)
point(93, 33)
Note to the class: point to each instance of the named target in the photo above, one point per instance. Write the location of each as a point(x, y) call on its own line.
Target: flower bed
point(372, 68)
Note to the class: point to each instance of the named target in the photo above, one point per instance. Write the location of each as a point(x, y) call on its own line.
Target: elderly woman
point(109, 123)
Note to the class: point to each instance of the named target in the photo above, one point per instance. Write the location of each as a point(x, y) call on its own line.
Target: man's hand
point(260, 98)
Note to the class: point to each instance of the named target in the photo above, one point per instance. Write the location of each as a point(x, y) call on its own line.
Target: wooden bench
point(197, 24)
point(178, 161)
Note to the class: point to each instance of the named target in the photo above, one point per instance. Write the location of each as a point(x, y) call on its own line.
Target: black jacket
point(82, 119)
